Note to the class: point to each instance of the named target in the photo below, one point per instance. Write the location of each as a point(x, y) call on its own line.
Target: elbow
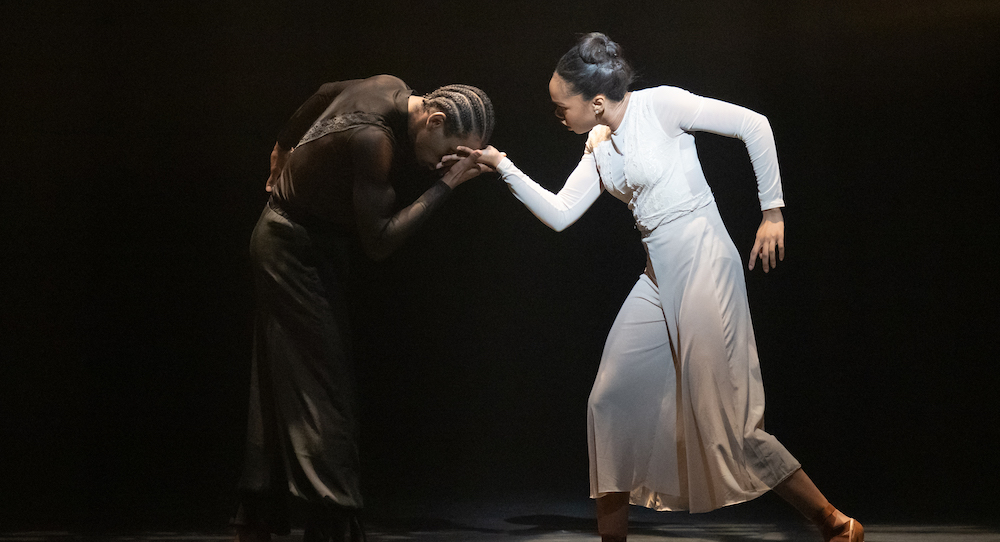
point(376, 241)
point(755, 128)
point(761, 124)
point(558, 226)
point(558, 223)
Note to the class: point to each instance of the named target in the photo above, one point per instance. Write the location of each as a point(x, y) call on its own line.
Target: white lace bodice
point(650, 161)
point(657, 175)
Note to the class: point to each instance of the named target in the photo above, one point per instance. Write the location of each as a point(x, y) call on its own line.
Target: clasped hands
point(455, 168)
point(468, 163)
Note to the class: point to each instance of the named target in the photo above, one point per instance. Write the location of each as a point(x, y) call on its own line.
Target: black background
point(136, 138)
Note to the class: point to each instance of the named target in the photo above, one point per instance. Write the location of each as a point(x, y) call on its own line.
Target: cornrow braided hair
point(469, 110)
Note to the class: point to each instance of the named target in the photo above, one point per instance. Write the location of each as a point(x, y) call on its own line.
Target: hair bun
point(610, 47)
point(594, 66)
point(597, 48)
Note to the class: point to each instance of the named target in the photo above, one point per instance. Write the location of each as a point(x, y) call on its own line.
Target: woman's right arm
point(557, 211)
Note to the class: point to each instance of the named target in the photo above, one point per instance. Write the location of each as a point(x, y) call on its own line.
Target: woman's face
point(575, 113)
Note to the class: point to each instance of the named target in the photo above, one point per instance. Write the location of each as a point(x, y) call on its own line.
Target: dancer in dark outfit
point(351, 140)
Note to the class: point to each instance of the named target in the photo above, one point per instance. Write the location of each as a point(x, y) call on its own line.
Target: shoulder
point(371, 134)
point(674, 108)
point(664, 93)
point(372, 151)
point(386, 81)
point(375, 83)
point(370, 141)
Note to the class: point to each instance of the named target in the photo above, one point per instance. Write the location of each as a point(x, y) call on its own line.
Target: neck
point(614, 112)
point(415, 114)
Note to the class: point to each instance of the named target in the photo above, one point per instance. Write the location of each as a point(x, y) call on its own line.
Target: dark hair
point(595, 65)
point(469, 110)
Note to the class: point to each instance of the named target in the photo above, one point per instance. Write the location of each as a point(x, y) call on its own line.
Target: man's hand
point(490, 157)
point(463, 169)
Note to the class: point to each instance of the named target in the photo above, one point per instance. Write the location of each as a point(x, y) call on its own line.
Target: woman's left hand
point(770, 239)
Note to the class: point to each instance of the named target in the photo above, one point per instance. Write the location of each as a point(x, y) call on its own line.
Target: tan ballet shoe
point(849, 531)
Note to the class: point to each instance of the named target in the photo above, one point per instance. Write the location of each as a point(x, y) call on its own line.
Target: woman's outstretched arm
point(557, 211)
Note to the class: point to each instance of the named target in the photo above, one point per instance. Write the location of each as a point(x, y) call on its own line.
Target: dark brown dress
point(336, 190)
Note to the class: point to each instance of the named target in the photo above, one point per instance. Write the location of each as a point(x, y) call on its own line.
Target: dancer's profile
point(675, 417)
point(333, 169)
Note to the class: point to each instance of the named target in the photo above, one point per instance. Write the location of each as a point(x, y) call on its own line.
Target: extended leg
point(803, 494)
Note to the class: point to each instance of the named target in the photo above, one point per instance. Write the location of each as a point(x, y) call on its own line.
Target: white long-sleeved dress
point(676, 412)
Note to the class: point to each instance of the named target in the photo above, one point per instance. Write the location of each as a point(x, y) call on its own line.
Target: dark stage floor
point(557, 519)
point(707, 532)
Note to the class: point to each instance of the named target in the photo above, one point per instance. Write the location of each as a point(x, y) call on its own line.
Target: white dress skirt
point(676, 415)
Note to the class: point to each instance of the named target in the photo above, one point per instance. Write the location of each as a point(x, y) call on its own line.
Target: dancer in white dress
point(676, 413)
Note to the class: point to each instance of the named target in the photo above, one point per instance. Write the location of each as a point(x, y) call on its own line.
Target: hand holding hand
point(490, 157)
point(770, 237)
point(462, 168)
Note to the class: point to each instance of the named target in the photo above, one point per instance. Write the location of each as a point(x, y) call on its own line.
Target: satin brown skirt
point(302, 433)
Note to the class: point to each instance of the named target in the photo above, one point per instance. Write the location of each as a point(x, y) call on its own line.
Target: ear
point(436, 120)
point(598, 102)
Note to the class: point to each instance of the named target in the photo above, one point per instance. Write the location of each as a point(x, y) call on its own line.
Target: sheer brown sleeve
point(382, 231)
